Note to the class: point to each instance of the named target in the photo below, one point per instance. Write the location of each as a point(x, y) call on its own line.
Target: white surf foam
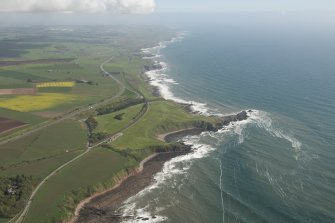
point(159, 79)
point(179, 166)
point(221, 190)
point(263, 120)
point(163, 82)
point(202, 145)
point(142, 215)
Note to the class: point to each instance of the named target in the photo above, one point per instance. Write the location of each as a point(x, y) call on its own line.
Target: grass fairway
point(100, 165)
point(108, 123)
point(43, 101)
point(40, 153)
point(163, 116)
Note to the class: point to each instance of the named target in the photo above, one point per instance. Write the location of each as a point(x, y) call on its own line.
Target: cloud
point(90, 6)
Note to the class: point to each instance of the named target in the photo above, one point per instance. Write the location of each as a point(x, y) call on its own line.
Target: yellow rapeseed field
point(56, 84)
point(27, 103)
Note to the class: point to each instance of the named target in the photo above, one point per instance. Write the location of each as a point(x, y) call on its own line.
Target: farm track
point(71, 114)
point(115, 136)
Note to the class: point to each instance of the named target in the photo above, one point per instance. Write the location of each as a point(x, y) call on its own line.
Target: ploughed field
point(8, 124)
point(18, 91)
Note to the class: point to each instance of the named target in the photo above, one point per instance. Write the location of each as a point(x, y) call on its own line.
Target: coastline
point(172, 136)
point(103, 206)
point(148, 167)
point(87, 200)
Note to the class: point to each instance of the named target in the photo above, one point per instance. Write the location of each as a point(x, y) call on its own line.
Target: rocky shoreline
point(103, 207)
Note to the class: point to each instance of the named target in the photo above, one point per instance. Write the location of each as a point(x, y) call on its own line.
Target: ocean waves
point(159, 79)
point(164, 194)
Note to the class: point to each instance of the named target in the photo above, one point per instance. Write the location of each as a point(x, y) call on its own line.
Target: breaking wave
point(202, 145)
point(159, 79)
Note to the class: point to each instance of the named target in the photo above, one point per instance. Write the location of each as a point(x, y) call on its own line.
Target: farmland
point(78, 86)
point(94, 172)
point(56, 84)
point(18, 91)
point(8, 124)
point(25, 117)
point(110, 123)
point(168, 117)
point(39, 153)
point(43, 101)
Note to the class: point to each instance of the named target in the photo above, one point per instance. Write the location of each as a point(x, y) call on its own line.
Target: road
point(72, 113)
point(115, 136)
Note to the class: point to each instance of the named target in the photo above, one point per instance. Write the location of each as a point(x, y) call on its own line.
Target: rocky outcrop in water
point(155, 66)
point(243, 115)
point(205, 126)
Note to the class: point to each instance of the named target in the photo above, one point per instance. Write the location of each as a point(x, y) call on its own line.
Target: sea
point(276, 166)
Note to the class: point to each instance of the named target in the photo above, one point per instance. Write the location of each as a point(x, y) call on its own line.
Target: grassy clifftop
point(162, 117)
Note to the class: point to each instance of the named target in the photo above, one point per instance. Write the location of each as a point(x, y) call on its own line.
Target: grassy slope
point(107, 123)
point(163, 116)
point(101, 165)
point(38, 154)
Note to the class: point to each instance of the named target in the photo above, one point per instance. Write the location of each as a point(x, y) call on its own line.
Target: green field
point(108, 123)
point(94, 172)
point(21, 116)
point(163, 117)
point(40, 153)
point(4, 220)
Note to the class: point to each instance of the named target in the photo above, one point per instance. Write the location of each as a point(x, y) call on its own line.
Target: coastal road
point(115, 136)
point(74, 112)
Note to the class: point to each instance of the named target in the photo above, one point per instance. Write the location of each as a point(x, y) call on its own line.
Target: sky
point(243, 5)
point(162, 6)
point(105, 12)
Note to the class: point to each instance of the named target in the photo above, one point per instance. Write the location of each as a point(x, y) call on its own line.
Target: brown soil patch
point(9, 124)
point(18, 91)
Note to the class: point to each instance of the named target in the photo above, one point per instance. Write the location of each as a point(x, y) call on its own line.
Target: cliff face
point(206, 126)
